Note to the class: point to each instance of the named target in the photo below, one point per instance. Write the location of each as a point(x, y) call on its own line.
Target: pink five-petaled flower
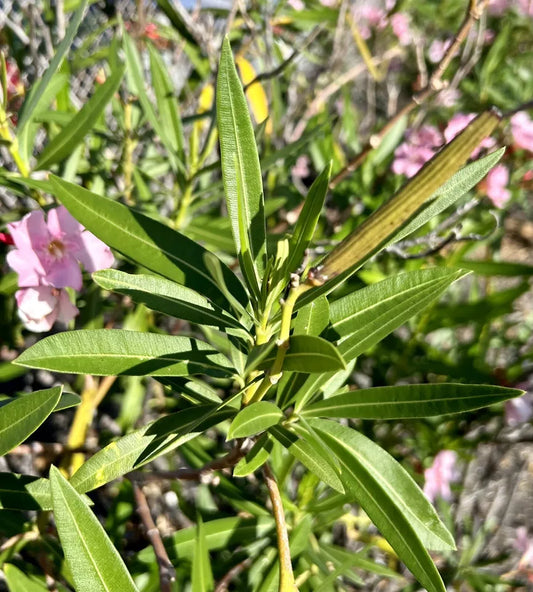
point(495, 185)
point(522, 130)
point(419, 147)
point(48, 253)
point(41, 306)
point(439, 476)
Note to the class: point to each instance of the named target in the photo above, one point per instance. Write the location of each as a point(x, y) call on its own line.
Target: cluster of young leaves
point(288, 369)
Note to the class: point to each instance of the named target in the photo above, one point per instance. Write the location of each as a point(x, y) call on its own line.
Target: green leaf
point(452, 191)
point(410, 401)
point(308, 218)
point(384, 224)
point(308, 353)
point(241, 171)
point(94, 563)
point(313, 318)
point(22, 416)
point(18, 581)
point(167, 104)
point(495, 268)
point(363, 318)
point(142, 446)
point(202, 576)
point(255, 458)
point(310, 455)
point(67, 401)
point(137, 83)
point(112, 352)
point(391, 499)
point(26, 135)
point(253, 419)
point(62, 145)
point(148, 242)
point(24, 492)
point(167, 297)
point(39, 88)
point(219, 534)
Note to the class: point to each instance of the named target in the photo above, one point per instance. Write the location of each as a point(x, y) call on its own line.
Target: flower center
point(56, 248)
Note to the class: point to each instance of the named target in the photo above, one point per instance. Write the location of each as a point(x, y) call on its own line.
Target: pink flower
point(369, 17)
point(400, 27)
point(519, 410)
point(498, 7)
point(49, 253)
point(301, 167)
point(525, 7)
point(40, 307)
point(495, 185)
point(522, 130)
point(447, 97)
point(437, 49)
point(458, 123)
point(524, 544)
point(296, 4)
point(439, 476)
point(419, 147)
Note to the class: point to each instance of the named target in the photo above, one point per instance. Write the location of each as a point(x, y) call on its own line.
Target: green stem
point(286, 576)
point(276, 372)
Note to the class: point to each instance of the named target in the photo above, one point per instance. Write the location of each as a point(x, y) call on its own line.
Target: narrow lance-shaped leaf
point(219, 534)
point(391, 499)
point(313, 318)
point(112, 352)
point(94, 562)
point(21, 417)
point(18, 581)
point(410, 401)
point(452, 191)
point(255, 458)
point(308, 218)
point(137, 83)
point(202, 576)
point(62, 145)
point(148, 242)
point(167, 297)
point(310, 455)
point(389, 219)
point(241, 172)
point(363, 318)
point(40, 87)
point(167, 103)
point(253, 419)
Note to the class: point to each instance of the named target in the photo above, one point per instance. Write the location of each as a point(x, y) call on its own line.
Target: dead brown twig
point(167, 573)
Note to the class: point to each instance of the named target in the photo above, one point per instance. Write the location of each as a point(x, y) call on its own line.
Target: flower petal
point(65, 272)
point(93, 253)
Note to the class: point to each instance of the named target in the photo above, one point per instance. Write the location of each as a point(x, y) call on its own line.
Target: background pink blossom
point(495, 185)
point(522, 130)
point(440, 474)
point(419, 147)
